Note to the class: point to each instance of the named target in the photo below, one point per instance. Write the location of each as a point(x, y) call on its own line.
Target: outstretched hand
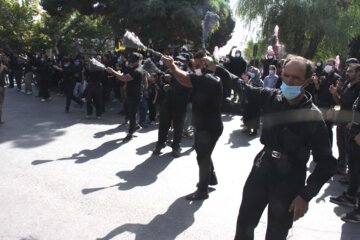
point(298, 207)
point(167, 60)
point(110, 70)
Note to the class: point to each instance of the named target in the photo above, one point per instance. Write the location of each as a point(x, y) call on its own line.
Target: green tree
point(157, 22)
point(17, 20)
point(75, 30)
point(308, 28)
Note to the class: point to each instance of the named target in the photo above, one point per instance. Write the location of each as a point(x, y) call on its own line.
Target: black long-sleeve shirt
point(295, 131)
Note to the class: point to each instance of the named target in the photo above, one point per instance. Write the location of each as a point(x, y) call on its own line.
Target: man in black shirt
point(292, 126)
point(134, 79)
point(354, 161)
point(326, 101)
point(345, 95)
point(348, 198)
point(206, 107)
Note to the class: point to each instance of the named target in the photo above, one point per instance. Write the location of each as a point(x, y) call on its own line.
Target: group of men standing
point(293, 129)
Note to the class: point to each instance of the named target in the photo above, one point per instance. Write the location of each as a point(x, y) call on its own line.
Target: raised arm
point(119, 75)
point(181, 76)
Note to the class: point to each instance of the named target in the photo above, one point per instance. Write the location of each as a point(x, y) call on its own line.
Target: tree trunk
point(313, 45)
point(299, 43)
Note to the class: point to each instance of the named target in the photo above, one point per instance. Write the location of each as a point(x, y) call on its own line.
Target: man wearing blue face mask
point(292, 127)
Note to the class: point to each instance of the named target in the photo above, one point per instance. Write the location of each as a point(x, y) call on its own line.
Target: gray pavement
point(63, 177)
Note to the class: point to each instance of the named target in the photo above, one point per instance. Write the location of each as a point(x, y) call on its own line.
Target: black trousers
point(18, 77)
point(329, 126)
point(94, 94)
point(272, 182)
point(69, 92)
point(354, 167)
point(341, 141)
point(205, 141)
point(168, 116)
point(152, 110)
point(132, 106)
point(44, 86)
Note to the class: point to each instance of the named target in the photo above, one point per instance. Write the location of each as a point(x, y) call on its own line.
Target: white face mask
point(271, 72)
point(238, 55)
point(198, 72)
point(270, 57)
point(328, 68)
point(318, 64)
point(161, 63)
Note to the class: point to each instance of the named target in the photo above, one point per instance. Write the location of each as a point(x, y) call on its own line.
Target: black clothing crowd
point(290, 134)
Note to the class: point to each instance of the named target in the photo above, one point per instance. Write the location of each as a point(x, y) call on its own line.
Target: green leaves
point(156, 22)
point(306, 26)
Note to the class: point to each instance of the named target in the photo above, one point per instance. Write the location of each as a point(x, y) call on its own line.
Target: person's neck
point(354, 81)
point(296, 101)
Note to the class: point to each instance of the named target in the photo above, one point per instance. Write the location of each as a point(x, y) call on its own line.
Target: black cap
point(135, 56)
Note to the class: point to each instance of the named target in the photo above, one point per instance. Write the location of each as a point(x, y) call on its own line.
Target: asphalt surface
point(64, 177)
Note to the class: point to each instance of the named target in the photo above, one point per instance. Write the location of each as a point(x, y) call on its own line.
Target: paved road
point(64, 177)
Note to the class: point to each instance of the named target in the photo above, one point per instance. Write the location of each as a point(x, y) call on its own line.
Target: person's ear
point(306, 83)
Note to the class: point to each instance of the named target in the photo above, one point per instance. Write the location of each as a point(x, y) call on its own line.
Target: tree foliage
point(157, 22)
point(16, 23)
point(308, 28)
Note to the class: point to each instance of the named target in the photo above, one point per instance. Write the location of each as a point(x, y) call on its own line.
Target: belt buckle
point(276, 154)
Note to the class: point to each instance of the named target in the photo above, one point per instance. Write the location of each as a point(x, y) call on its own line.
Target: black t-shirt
point(206, 101)
point(355, 127)
point(325, 98)
point(134, 87)
point(348, 95)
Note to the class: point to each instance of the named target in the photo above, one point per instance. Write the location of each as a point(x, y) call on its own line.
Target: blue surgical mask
point(290, 92)
point(251, 74)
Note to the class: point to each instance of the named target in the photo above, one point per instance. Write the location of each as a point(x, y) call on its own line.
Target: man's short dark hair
point(309, 65)
point(199, 54)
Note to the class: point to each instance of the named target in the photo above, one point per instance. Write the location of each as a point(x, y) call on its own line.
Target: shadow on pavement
point(142, 175)
point(145, 149)
point(178, 218)
point(239, 139)
point(115, 130)
point(334, 188)
point(31, 123)
point(350, 231)
point(87, 154)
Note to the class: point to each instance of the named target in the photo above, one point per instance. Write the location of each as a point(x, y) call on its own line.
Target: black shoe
point(175, 152)
point(137, 127)
point(344, 200)
point(143, 125)
point(157, 151)
point(128, 138)
point(197, 195)
point(351, 217)
point(158, 148)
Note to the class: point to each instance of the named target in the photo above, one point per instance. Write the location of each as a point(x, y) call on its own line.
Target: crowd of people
point(292, 100)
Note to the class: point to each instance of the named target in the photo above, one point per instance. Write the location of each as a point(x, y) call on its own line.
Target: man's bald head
point(307, 64)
